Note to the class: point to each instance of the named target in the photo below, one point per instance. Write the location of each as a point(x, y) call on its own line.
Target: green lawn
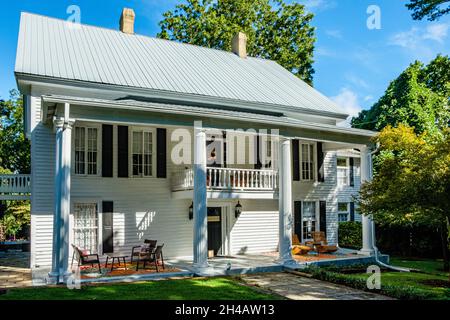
point(431, 282)
point(183, 289)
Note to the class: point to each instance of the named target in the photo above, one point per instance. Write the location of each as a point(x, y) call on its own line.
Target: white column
point(60, 250)
point(285, 203)
point(54, 274)
point(200, 206)
point(366, 175)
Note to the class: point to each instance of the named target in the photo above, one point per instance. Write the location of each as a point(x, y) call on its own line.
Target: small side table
point(115, 256)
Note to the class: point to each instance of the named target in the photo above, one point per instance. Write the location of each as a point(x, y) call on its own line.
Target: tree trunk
point(444, 241)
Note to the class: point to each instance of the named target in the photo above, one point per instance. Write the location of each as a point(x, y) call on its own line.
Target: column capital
point(60, 122)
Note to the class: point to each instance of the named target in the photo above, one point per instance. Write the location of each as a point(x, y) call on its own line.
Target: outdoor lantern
point(191, 211)
point(237, 210)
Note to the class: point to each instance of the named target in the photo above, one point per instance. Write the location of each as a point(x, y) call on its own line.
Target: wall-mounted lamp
point(237, 210)
point(191, 211)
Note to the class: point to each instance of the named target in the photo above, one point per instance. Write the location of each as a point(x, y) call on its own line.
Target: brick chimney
point(239, 44)
point(127, 21)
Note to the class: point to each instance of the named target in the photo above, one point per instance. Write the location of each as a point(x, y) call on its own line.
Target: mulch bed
point(87, 272)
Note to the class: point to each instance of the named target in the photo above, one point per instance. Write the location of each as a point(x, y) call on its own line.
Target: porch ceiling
point(289, 124)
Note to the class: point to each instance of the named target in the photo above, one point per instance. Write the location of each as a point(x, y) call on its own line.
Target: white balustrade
point(15, 183)
point(228, 179)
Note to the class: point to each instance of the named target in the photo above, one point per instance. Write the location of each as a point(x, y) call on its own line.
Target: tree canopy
point(419, 97)
point(14, 147)
point(275, 30)
point(432, 9)
point(412, 184)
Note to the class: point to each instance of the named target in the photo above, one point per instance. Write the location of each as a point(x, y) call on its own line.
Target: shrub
point(350, 235)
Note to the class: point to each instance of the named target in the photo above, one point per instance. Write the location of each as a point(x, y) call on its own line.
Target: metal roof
point(54, 48)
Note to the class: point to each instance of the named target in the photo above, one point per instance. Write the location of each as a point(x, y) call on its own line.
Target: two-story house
point(134, 137)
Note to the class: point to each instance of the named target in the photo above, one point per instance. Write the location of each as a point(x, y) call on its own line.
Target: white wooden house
point(104, 110)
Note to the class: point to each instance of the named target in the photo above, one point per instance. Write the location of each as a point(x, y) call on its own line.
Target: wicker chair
point(148, 246)
point(84, 258)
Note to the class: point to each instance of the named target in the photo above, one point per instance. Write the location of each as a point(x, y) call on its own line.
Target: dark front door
point(214, 229)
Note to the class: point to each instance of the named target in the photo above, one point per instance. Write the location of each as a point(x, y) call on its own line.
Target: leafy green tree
point(432, 9)
point(275, 30)
point(419, 97)
point(412, 184)
point(14, 147)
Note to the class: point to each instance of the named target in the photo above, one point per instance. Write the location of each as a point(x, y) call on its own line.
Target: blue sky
point(353, 64)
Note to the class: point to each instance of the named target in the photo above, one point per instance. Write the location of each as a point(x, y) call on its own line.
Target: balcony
point(230, 182)
point(15, 187)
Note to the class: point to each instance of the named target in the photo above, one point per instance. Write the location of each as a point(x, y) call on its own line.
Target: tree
point(275, 30)
point(419, 97)
point(432, 9)
point(412, 183)
point(14, 147)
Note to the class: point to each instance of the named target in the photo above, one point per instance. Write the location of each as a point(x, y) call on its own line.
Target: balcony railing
point(15, 186)
point(228, 179)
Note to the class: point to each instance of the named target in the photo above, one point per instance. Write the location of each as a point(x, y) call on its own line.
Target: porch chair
point(150, 257)
point(298, 248)
point(321, 244)
point(149, 245)
point(84, 258)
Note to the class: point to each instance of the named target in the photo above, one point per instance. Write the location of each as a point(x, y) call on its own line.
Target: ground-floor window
point(86, 226)
point(343, 213)
point(308, 219)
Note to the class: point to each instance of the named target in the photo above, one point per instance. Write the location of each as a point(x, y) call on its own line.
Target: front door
point(214, 229)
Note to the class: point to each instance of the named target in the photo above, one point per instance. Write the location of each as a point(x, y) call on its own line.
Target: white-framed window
point(142, 152)
point(86, 226)
point(307, 161)
point(86, 150)
point(309, 219)
point(343, 211)
point(343, 171)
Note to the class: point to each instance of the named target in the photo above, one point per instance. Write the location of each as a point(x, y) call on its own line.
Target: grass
point(182, 289)
point(431, 282)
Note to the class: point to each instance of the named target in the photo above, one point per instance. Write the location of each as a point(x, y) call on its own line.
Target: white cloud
point(354, 79)
point(348, 101)
point(316, 5)
point(415, 37)
point(437, 32)
point(337, 34)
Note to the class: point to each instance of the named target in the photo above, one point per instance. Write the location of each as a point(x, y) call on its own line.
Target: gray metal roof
point(53, 48)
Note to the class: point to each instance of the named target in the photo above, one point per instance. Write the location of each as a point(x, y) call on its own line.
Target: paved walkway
point(296, 287)
point(14, 270)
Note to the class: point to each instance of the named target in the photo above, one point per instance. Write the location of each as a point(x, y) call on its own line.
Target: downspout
point(375, 249)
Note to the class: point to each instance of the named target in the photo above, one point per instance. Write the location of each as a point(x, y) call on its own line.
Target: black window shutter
point(323, 216)
point(320, 166)
point(296, 160)
point(122, 152)
point(107, 151)
point(258, 164)
point(352, 211)
point(298, 219)
point(161, 153)
point(352, 178)
point(107, 227)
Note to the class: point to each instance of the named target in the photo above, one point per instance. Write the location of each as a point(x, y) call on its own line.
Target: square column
point(200, 206)
point(285, 203)
point(367, 222)
point(60, 250)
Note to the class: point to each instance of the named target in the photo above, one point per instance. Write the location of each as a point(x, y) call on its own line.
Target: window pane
point(86, 226)
point(343, 217)
point(137, 153)
point(308, 219)
point(80, 150)
point(307, 161)
point(341, 162)
point(92, 151)
point(343, 207)
point(148, 152)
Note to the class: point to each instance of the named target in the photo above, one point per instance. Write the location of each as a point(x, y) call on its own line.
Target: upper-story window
point(343, 176)
point(86, 150)
point(343, 211)
point(142, 152)
point(307, 161)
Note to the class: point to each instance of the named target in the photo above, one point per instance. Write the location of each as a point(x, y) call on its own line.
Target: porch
point(15, 187)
